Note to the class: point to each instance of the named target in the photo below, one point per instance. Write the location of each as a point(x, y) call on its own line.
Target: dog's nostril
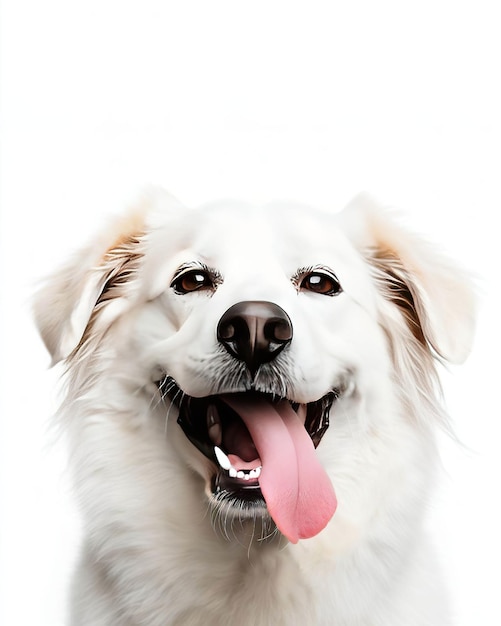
point(254, 332)
point(279, 330)
point(226, 331)
point(236, 327)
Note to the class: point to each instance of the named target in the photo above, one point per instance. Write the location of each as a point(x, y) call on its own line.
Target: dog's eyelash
point(215, 274)
point(302, 271)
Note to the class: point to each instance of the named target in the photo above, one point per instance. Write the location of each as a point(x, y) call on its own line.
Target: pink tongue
point(298, 493)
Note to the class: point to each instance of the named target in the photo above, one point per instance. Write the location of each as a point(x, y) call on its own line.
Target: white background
point(312, 101)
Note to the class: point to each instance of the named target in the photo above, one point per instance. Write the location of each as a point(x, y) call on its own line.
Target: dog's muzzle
point(254, 332)
point(262, 445)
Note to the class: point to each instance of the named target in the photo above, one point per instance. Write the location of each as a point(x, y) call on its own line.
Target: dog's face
point(251, 317)
point(262, 330)
point(313, 313)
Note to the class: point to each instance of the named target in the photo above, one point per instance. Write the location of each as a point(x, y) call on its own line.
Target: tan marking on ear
point(393, 282)
point(121, 264)
point(130, 226)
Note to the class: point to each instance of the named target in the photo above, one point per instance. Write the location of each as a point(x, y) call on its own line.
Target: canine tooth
point(240, 474)
point(233, 472)
point(246, 476)
point(222, 459)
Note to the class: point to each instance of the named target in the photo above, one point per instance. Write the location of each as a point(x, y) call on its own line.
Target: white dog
point(251, 406)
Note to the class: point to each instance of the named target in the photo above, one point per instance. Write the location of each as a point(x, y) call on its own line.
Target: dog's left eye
point(321, 283)
point(195, 280)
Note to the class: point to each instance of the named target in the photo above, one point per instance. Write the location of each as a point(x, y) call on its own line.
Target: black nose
point(254, 332)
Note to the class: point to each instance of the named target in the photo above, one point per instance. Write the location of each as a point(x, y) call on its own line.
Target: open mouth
point(263, 447)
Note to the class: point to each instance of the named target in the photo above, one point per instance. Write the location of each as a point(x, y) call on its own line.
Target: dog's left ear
point(430, 291)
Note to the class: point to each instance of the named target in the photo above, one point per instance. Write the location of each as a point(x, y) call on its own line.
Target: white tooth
point(240, 474)
point(222, 459)
point(246, 476)
point(233, 472)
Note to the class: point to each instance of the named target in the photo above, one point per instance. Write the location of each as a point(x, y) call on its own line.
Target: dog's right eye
point(195, 280)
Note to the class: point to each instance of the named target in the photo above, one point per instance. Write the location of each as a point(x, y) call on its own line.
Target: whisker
point(172, 403)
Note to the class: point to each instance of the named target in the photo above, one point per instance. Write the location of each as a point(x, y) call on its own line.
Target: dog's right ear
point(97, 275)
point(64, 305)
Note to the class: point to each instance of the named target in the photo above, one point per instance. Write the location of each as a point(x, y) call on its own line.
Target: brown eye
point(321, 283)
point(195, 280)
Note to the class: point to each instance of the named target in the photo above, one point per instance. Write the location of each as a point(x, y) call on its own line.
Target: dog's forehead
point(282, 231)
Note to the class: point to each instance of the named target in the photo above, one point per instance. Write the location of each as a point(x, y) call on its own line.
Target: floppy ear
point(63, 307)
point(437, 300)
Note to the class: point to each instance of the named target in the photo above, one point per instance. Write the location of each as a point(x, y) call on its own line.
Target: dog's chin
point(241, 514)
point(220, 434)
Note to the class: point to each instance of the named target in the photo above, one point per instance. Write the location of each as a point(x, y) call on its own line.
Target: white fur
point(151, 556)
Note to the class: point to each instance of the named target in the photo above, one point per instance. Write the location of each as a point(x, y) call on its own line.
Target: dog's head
point(259, 331)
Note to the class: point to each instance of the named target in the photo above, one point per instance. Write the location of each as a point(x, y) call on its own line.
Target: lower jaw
point(245, 498)
point(240, 515)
